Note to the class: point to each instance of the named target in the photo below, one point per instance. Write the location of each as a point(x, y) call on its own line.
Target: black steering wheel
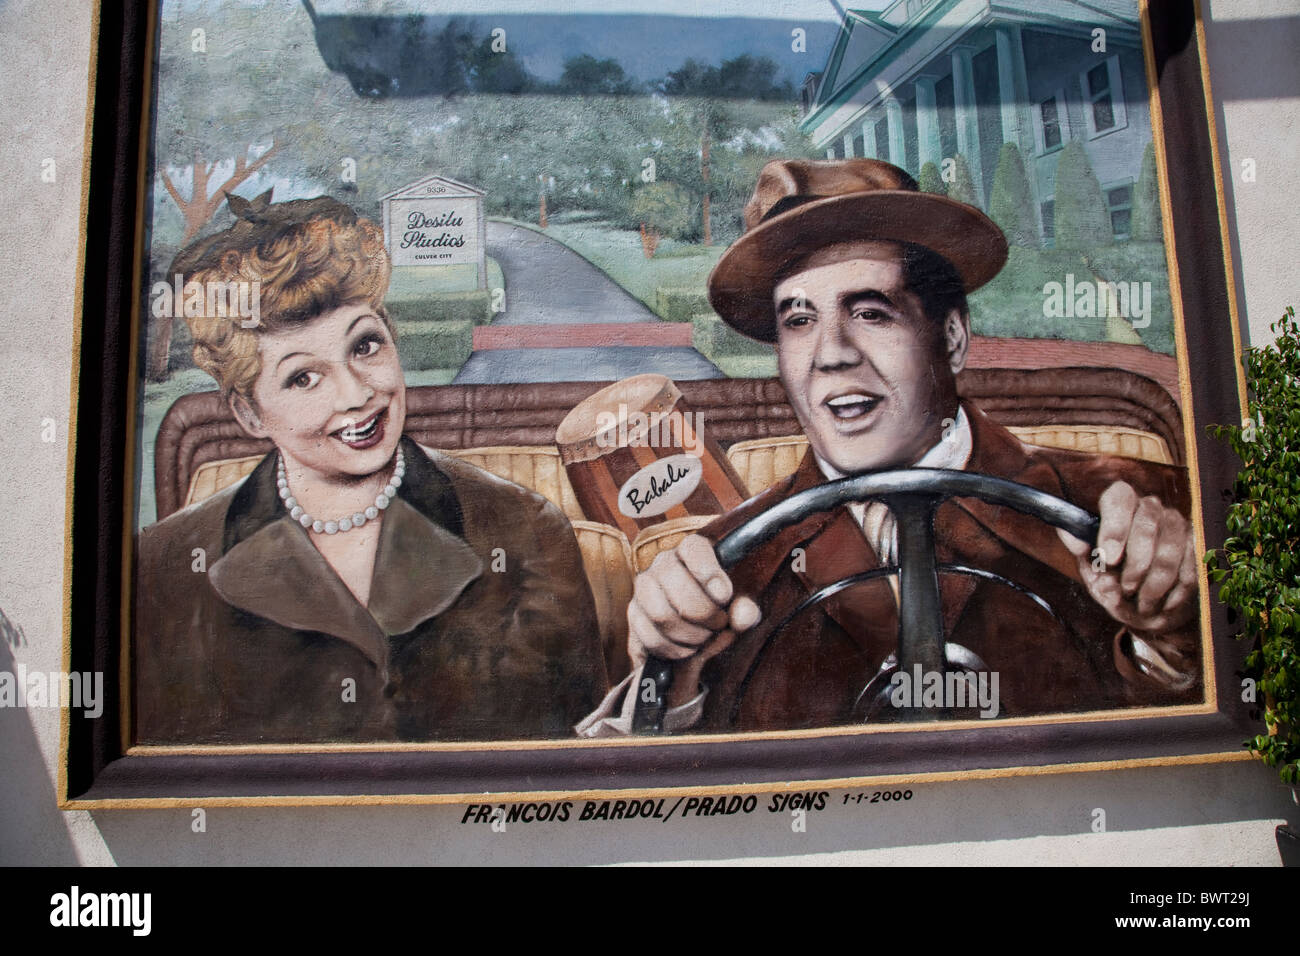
point(912, 495)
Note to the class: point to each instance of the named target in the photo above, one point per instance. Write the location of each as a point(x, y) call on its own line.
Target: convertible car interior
point(509, 430)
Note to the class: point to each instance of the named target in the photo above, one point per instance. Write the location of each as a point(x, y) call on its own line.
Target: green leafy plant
point(1258, 568)
point(1082, 220)
point(930, 181)
point(1010, 205)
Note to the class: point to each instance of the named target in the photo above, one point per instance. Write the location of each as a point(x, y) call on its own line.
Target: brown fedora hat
point(800, 205)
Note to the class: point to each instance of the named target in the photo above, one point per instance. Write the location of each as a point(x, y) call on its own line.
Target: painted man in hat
point(860, 282)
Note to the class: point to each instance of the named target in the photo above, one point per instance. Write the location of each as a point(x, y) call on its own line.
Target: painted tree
point(1010, 205)
point(1082, 220)
point(587, 76)
point(930, 181)
point(709, 91)
point(962, 187)
point(662, 209)
point(1146, 225)
point(204, 201)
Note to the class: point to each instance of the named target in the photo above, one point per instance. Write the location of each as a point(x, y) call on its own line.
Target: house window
point(1052, 128)
point(1103, 97)
point(1051, 123)
point(1099, 98)
point(1048, 210)
point(1119, 200)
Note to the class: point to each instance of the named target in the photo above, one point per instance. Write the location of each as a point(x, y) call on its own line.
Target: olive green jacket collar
point(270, 568)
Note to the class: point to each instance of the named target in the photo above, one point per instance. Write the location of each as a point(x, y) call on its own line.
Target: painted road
point(547, 283)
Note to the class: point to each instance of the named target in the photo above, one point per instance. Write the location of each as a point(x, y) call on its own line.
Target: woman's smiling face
point(330, 394)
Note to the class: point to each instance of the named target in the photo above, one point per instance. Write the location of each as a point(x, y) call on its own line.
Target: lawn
point(1012, 304)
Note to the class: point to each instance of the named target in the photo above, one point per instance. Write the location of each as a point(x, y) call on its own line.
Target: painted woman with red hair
point(358, 586)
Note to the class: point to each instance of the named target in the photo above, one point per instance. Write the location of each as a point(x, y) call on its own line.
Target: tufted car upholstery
point(509, 430)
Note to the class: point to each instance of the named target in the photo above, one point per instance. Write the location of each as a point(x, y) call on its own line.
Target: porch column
point(894, 124)
point(927, 123)
point(869, 149)
point(1013, 89)
point(967, 116)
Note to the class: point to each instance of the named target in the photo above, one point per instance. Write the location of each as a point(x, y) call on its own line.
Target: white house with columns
point(924, 80)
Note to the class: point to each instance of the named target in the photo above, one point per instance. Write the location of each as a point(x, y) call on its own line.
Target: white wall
point(1217, 814)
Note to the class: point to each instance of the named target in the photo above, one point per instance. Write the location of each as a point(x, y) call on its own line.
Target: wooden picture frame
point(102, 767)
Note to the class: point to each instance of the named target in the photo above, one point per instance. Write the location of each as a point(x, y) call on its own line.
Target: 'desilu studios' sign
point(436, 222)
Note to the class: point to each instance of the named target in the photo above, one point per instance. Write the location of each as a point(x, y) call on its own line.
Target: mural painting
point(669, 369)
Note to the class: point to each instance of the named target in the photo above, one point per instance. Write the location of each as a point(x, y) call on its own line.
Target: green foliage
point(742, 77)
point(434, 344)
point(473, 307)
point(1258, 567)
point(717, 341)
point(588, 76)
point(962, 188)
point(1082, 219)
point(499, 71)
point(1138, 261)
point(1011, 304)
point(1010, 205)
point(930, 181)
point(1146, 225)
point(679, 304)
point(666, 208)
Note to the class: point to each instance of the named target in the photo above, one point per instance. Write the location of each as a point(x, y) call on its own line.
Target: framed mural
point(647, 398)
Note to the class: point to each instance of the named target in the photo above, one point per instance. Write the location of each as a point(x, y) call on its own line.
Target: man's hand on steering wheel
point(684, 610)
point(1148, 581)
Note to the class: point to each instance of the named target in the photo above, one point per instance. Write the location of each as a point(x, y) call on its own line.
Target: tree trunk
point(197, 210)
point(158, 358)
point(704, 174)
point(649, 241)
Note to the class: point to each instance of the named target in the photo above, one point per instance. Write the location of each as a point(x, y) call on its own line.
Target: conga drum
point(637, 455)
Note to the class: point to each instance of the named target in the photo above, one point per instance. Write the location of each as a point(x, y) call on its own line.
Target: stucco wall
point(1221, 813)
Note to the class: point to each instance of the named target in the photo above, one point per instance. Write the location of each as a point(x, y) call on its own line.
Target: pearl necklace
point(347, 523)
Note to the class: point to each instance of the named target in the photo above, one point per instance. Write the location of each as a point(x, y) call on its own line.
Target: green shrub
point(930, 181)
point(433, 344)
point(717, 341)
point(963, 187)
point(1010, 205)
point(1258, 568)
point(665, 208)
point(473, 307)
point(1146, 226)
point(1082, 218)
point(679, 304)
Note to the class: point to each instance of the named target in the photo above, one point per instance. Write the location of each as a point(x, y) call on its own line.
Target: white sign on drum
point(659, 486)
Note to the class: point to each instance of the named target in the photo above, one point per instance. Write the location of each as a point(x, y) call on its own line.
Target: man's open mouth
point(852, 405)
point(364, 433)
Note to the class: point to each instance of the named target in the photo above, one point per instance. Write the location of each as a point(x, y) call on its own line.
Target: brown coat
point(460, 641)
point(811, 674)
